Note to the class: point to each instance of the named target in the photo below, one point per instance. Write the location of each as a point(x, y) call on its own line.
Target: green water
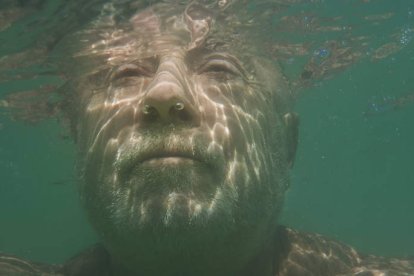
point(353, 178)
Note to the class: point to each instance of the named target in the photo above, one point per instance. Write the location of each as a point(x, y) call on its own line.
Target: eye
point(131, 70)
point(219, 66)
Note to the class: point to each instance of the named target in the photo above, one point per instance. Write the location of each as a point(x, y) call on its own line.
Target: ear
point(291, 121)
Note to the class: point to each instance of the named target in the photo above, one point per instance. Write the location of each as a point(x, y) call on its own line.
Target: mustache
point(144, 146)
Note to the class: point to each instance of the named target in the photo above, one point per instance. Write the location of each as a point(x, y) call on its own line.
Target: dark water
point(353, 178)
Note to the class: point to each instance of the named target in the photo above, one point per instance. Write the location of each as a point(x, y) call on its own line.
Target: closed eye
point(219, 66)
point(130, 70)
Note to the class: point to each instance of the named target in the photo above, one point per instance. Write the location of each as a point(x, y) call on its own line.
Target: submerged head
point(185, 136)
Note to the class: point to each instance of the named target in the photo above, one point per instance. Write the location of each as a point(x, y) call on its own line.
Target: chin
point(167, 193)
point(157, 194)
point(174, 197)
point(174, 211)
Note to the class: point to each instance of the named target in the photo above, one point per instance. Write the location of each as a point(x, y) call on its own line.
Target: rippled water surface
point(350, 63)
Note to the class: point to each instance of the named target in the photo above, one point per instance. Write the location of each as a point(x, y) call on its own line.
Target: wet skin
point(185, 145)
point(185, 159)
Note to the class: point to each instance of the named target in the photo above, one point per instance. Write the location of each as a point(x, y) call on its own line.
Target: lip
point(168, 155)
point(184, 148)
point(170, 160)
point(165, 157)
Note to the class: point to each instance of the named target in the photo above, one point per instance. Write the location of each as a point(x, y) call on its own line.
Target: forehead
point(156, 31)
point(187, 28)
point(193, 31)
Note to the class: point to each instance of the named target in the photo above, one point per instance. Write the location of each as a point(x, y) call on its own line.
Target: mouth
point(172, 157)
point(178, 158)
point(178, 152)
point(172, 160)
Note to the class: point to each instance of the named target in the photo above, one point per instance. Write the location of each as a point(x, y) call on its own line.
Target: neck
point(207, 263)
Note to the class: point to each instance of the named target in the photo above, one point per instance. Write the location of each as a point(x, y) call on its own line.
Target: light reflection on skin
point(185, 139)
point(183, 153)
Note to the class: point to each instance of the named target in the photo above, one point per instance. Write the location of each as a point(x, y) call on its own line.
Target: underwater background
point(353, 178)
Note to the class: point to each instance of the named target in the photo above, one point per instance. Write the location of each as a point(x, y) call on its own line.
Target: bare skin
point(186, 143)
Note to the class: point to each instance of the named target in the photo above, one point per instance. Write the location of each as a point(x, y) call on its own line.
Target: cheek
point(108, 112)
point(245, 127)
point(262, 132)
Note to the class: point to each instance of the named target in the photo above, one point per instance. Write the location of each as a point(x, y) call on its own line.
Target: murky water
point(350, 63)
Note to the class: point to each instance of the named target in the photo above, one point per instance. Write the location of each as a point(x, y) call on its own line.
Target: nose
point(166, 103)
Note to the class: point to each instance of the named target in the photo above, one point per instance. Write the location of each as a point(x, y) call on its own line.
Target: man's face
point(180, 139)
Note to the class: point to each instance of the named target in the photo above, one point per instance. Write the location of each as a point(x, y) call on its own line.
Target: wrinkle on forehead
point(166, 29)
point(153, 31)
point(196, 19)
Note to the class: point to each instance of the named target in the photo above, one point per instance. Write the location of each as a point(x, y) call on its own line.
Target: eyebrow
point(229, 58)
point(148, 60)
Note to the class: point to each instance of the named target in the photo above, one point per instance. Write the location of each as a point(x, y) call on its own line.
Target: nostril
point(179, 106)
point(148, 109)
point(178, 112)
point(150, 113)
point(182, 114)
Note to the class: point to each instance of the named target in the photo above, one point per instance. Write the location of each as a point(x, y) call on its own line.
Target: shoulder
point(93, 261)
point(312, 254)
point(385, 266)
point(13, 266)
